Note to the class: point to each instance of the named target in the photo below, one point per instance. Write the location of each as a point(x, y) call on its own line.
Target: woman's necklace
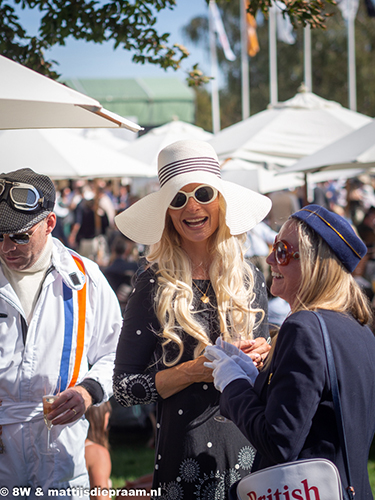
point(204, 297)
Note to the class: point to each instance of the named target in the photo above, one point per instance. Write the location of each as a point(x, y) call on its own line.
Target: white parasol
point(31, 100)
point(65, 154)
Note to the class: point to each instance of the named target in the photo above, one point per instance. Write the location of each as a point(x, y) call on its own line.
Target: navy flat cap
point(336, 232)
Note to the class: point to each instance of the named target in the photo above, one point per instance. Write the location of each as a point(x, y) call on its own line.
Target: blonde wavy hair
point(324, 278)
point(231, 278)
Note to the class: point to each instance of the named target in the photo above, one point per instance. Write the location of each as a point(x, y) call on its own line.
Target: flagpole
point(215, 103)
point(273, 55)
point(244, 63)
point(307, 57)
point(351, 63)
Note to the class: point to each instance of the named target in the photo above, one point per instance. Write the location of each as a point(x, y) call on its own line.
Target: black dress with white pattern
point(196, 457)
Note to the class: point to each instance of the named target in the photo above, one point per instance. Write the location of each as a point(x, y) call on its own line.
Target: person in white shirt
point(58, 318)
point(259, 240)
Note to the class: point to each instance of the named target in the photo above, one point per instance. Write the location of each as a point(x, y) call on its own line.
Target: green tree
point(329, 64)
point(130, 24)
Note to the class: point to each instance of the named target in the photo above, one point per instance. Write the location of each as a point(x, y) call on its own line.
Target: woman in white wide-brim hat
point(196, 288)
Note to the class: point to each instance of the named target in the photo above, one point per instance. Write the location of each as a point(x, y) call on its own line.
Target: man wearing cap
point(58, 318)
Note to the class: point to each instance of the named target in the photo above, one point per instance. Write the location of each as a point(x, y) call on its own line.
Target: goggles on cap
point(21, 196)
point(283, 252)
point(202, 194)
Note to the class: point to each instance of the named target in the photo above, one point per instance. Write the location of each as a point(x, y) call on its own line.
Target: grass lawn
point(371, 472)
point(131, 457)
point(371, 467)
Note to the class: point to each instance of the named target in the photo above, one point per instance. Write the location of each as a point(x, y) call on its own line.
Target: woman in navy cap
point(288, 414)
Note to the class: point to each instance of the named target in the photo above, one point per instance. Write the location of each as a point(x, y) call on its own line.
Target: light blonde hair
point(231, 278)
point(324, 278)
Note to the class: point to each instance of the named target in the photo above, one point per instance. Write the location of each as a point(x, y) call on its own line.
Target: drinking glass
point(51, 393)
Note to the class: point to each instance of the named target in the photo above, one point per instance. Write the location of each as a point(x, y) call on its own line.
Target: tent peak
point(304, 99)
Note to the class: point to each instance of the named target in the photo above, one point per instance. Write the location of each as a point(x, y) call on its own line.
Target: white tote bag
point(313, 479)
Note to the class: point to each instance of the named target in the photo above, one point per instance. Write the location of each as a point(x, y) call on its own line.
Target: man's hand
point(70, 406)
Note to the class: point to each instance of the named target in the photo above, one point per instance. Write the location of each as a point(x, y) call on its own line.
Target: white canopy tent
point(116, 139)
point(147, 147)
point(257, 178)
point(354, 150)
point(31, 100)
point(288, 131)
point(65, 154)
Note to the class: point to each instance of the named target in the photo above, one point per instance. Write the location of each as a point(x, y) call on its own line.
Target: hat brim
point(144, 221)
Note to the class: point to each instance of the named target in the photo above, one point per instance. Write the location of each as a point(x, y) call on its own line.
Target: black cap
point(13, 220)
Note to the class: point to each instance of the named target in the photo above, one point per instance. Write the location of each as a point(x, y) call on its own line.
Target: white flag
point(219, 29)
point(285, 31)
point(348, 8)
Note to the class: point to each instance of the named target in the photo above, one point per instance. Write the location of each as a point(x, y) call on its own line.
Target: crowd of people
point(174, 300)
point(121, 259)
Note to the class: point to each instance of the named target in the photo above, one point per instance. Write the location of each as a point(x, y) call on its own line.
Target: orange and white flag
point(252, 38)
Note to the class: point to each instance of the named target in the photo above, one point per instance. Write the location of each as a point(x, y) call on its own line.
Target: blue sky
point(88, 60)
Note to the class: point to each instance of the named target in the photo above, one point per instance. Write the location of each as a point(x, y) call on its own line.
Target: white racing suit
point(73, 332)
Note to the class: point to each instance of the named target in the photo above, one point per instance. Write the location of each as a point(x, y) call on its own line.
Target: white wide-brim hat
point(179, 164)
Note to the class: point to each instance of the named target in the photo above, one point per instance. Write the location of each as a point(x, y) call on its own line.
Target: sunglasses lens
point(179, 200)
point(204, 194)
point(2, 186)
point(281, 253)
point(20, 239)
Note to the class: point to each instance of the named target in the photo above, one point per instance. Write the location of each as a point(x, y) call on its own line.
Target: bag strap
point(336, 400)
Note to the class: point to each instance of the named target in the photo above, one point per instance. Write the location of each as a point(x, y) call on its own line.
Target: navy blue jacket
point(288, 414)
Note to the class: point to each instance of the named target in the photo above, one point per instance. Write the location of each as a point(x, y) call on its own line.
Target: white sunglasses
point(202, 194)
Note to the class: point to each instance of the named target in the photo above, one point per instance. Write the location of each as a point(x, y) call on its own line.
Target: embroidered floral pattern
point(207, 488)
point(171, 491)
point(126, 387)
point(246, 457)
point(228, 478)
point(189, 470)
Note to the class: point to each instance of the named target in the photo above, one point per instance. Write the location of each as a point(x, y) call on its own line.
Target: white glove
point(231, 349)
point(242, 359)
point(247, 366)
point(225, 369)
